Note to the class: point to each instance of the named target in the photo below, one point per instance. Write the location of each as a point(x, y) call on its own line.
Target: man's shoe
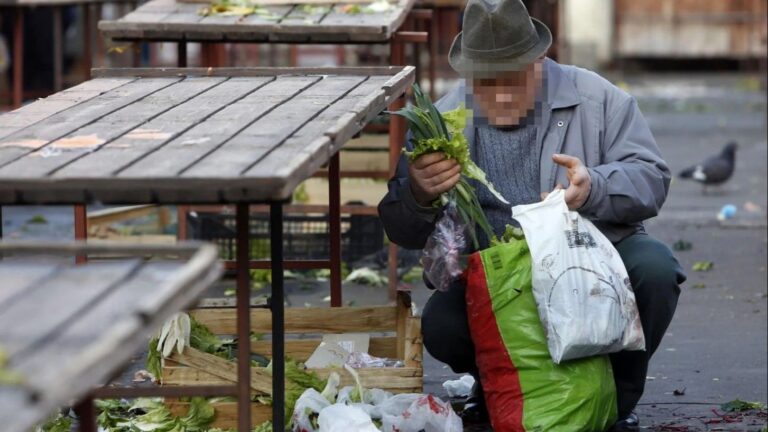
point(475, 412)
point(630, 423)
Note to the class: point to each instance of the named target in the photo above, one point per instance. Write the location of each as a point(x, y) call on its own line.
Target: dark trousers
point(655, 275)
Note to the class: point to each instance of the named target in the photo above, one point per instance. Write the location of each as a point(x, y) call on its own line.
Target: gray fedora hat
point(498, 35)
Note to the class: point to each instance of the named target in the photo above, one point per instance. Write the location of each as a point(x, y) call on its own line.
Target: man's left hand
point(580, 182)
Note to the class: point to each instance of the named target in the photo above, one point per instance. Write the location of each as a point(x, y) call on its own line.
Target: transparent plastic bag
point(441, 258)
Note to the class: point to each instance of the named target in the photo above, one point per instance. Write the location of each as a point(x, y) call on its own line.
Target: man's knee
point(445, 332)
point(653, 269)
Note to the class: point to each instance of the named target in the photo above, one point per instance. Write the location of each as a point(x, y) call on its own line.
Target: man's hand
point(431, 175)
point(580, 182)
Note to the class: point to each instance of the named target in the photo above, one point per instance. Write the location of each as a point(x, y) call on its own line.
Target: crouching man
point(539, 125)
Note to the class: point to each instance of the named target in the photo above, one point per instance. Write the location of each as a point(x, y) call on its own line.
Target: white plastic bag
point(580, 284)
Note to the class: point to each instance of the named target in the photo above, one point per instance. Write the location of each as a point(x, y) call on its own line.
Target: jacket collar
point(561, 93)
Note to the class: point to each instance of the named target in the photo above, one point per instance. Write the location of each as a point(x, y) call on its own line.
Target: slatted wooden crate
point(402, 342)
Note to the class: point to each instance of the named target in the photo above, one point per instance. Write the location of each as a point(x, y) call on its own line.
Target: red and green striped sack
point(524, 389)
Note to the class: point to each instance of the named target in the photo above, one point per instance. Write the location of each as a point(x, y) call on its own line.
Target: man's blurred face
point(506, 97)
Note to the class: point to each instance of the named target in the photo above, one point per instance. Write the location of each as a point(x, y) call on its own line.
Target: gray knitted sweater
point(510, 159)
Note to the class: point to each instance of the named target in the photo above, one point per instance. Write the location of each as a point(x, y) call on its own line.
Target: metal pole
point(181, 54)
point(334, 223)
point(81, 230)
point(433, 38)
point(242, 216)
point(86, 414)
point(18, 58)
point(396, 136)
point(278, 317)
point(87, 51)
point(57, 50)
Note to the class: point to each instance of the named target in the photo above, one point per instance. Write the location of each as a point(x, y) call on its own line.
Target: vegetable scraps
point(435, 132)
point(200, 337)
point(146, 414)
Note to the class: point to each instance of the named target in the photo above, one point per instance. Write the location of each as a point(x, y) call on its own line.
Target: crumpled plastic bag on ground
point(345, 418)
point(460, 387)
point(582, 289)
point(441, 257)
point(407, 412)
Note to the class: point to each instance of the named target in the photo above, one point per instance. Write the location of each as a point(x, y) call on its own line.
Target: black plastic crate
point(305, 237)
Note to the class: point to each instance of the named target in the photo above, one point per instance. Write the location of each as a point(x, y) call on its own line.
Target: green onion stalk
point(432, 131)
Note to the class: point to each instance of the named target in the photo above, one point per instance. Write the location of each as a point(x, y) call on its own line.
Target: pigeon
point(715, 170)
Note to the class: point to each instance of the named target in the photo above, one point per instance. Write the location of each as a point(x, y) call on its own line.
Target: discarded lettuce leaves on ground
point(435, 132)
point(738, 405)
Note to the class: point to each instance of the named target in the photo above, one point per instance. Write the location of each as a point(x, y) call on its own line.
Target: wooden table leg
point(18, 58)
point(58, 53)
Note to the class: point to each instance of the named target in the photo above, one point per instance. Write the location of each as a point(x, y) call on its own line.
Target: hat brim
point(467, 66)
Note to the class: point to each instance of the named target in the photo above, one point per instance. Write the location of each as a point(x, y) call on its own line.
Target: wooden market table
point(198, 136)
point(66, 327)
point(17, 7)
point(181, 22)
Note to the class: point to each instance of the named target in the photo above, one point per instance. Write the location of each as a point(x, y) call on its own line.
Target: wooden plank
point(261, 381)
point(395, 380)
point(93, 347)
point(302, 349)
point(242, 72)
point(249, 146)
point(37, 111)
point(17, 277)
point(202, 139)
point(59, 125)
point(226, 413)
point(129, 120)
point(304, 320)
point(303, 154)
point(52, 304)
point(149, 137)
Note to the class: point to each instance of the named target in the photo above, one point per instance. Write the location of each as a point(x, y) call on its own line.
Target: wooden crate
point(195, 368)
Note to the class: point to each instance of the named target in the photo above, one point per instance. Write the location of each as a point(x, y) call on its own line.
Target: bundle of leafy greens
point(433, 132)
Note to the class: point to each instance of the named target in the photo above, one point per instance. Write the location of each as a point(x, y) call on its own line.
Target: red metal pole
point(181, 218)
point(81, 230)
point(99, 39)
point(18, 58)
point(433, 38)
point(242, 215)
point(57, 50)
point(86, 414)
point(396, 136)
point(334, 223)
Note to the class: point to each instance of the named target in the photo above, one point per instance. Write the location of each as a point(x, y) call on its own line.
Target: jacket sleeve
point(632, 182)
point(406, 222)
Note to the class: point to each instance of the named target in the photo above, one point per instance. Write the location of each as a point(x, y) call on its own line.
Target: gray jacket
point(582, 115)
